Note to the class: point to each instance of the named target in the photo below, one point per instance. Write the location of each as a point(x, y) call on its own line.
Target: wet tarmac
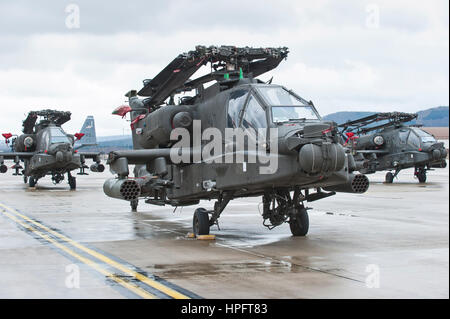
point(391, 242)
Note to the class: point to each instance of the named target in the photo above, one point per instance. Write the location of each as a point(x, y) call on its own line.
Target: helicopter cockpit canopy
point(57, 135)
point(286, 106)
point(53, 135)
point(424, 136)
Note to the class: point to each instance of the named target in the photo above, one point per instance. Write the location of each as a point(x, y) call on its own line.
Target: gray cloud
point(335, 59)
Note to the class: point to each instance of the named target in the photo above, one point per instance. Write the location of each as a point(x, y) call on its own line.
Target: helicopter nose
point(59, 156)
point(436, 154)
point(63, 156)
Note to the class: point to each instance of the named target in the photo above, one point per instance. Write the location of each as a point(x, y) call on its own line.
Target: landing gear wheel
point(25, 179)
point(32, 181)
point(134, 205)
point(299, 222)
point(422, 176)
point(72, 182)
point(200, 224)
point(389, 178)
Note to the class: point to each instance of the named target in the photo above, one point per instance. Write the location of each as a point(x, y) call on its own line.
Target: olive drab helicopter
point(383, 141)
point(45, 149)
point(299, 156)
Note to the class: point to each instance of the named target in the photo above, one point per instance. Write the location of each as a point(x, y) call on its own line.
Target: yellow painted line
point(134, 288)
point(150, 282)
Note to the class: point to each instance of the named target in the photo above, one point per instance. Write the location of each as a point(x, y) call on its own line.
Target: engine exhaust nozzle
point(97, 168)
point(126, 189)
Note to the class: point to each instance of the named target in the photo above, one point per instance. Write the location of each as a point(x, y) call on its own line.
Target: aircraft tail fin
point(89, 137)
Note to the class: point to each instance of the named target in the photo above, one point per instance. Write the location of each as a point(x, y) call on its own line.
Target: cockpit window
point(291, 113)
point(286, 106)
point(235, 106)
point(255, 115)
point(277, 96)
point(58, 136)
point(424, 136)
point(413, 140)
point(403, 135)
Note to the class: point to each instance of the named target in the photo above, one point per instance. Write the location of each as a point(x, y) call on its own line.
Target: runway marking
point(13, 214)
point(136, 289)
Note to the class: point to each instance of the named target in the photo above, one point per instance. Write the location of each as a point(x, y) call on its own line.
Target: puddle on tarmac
point(222, 268)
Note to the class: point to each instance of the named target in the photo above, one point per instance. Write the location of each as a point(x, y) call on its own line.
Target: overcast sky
point(344, 55)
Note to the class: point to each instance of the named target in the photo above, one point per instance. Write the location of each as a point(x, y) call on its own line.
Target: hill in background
point(434, 117)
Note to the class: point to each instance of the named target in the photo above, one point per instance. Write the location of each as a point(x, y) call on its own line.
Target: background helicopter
point(45, 149)
point(393, 145)
point(312, 164)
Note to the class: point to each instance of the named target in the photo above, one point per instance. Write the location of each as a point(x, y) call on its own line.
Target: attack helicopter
point(383, 141)
point(45, 149)
point(193, 150)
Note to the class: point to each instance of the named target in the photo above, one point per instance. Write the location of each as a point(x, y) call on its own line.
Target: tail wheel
point(389, 178)
point(134, 205)
point(72, 183)
point(299, 222)
point(200, 222)
point(32, 181)
point(25, 179)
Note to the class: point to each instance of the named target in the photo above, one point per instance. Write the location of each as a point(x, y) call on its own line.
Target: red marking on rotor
point(201, 61)
point(122, 110)
point(78, 136)
point(7, 135)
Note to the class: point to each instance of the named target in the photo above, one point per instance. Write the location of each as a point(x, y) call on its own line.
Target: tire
point(389, 178)
point(200, 223)
point(299, 223)
point(25, 179)
point(72, 183)
point(422, 177)
point(32, 181)
point(134, 205)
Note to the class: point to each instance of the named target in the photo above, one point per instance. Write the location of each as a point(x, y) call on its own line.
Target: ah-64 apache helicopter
point(383, 141)
point(45, 149)
point(300, 158)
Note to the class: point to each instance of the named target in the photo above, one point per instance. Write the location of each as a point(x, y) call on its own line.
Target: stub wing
point(372, 152)
point(14, 155)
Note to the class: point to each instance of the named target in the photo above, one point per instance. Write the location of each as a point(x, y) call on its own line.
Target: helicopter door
point(403, 136)
point(235, 107)
point(413, 140)
point(44, 140)
point(254, 116)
